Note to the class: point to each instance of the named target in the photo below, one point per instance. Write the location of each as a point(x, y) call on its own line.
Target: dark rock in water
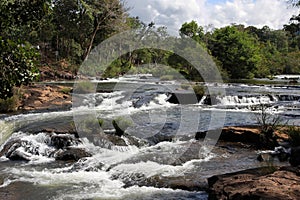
point(159, 137)
point(240, 134)
point(71, 154)
point(280, 152)
point(119, 131)
point(10, 144)
point(184, 98)
point(295, 156)
point(60, 141)
point(143, 77)
point(210, 100)
point(11, 150)
point(183, 182)
point(259, 183)
point(200, 135)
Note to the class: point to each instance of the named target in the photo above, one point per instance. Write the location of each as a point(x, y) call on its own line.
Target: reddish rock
point(260, 183)
point(45, 97)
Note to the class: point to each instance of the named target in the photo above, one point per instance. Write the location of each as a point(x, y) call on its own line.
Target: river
point(140, 171)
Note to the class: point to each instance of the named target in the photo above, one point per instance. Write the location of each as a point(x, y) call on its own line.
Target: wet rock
point(295, 156)
point(182, 97)
point(259, 183)
point(183, 182)
point(200, 135)
point(280, 152)
point(71, 154)
point(210, 100)
point(60, 141)
point(119, 132)
point(10, 144)
point(13, 150)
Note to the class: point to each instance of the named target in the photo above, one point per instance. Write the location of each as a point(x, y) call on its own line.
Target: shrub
point(199, 90)
point(268, 124)
point(294, 135)
point(185, 86)
point(10, 104)
point(167, 78)
point(17, 65)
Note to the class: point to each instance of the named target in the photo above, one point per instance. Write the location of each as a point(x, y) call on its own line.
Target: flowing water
point(147, 171)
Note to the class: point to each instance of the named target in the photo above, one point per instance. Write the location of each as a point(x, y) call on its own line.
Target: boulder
point(182, 97)
point(200, 135)
point(259, 183)
point(60, 141)
point(71, 154)
point(13, 150)
point(280, 152)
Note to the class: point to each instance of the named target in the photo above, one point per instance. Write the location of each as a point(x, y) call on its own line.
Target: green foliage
point(236, 50)
point(167, 78)
point(199, 90)
point(294, 135)
point(17, 66)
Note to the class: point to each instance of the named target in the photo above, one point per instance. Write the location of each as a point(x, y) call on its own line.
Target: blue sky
point(173, 13)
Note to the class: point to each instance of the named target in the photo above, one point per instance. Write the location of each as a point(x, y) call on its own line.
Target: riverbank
point(43, 97)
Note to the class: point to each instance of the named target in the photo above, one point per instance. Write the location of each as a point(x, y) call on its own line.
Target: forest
point(48, 33)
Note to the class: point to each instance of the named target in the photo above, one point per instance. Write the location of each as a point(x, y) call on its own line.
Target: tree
point(19, 21)
point(236, 50)
point(17, 66)
point(192, 30)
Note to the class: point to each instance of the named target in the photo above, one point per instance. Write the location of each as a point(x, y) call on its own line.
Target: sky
point(219, 13)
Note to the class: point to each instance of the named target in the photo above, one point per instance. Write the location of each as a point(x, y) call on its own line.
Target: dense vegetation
point(44, 32)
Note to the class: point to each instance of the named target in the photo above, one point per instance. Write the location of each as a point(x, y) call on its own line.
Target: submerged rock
point(259, 183)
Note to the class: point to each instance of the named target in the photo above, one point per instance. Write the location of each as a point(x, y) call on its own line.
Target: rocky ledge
point(45, 97)
point(259, 183)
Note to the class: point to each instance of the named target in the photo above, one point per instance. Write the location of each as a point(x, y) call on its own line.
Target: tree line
point(43, 32)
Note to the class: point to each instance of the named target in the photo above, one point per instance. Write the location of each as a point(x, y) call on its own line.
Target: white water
point(104, 175)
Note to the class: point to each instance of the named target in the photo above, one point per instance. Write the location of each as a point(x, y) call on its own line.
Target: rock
point(200, 135)
point(259, 183)
point(71, 154)
point(183, 182)
point(181, 97)
point(210, 100)
point(280, 152)
point(60, 141)
point(13, 150)
point(119, 132)
point(295, 156)
point(10, 144)
point(240, 134)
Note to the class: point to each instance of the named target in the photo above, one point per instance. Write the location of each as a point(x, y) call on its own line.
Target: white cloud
point(173, 13)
